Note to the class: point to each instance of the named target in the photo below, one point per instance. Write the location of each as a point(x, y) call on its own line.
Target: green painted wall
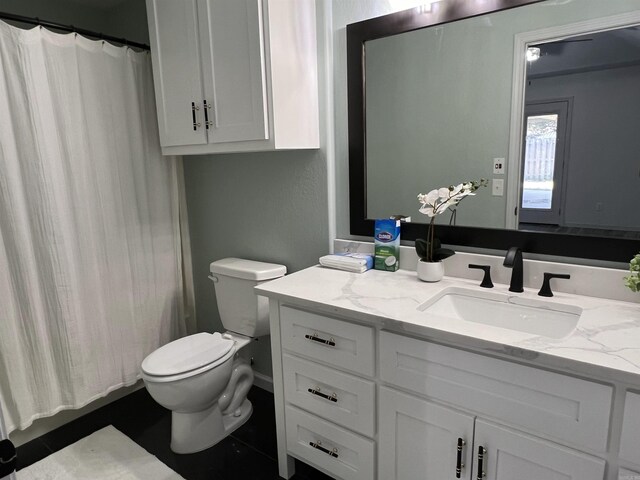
point(268, 207)
point(128, 19)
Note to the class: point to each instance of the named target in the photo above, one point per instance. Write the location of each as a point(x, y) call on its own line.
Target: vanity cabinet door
point(419, 439)
point(512, 455)
point(630, 442)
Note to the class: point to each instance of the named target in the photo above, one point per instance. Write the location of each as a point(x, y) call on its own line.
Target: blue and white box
point(387, 245)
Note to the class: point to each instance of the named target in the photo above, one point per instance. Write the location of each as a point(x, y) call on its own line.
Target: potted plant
point(434, 203)
point(632, 281)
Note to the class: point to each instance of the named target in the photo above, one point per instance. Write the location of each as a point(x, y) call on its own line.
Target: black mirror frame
point(590, 247)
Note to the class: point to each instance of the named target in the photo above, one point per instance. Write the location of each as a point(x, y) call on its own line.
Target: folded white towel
point(350, 262)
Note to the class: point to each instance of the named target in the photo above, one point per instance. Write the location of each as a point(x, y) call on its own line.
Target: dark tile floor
point(247, 454)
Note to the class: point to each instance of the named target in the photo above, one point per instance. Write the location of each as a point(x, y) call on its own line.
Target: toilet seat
point(188, 356)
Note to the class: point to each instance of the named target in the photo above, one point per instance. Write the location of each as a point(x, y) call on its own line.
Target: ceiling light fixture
point(533, 54)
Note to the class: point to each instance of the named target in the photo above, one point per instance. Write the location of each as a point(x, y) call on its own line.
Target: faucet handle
point(545, 291)
point(486, 280)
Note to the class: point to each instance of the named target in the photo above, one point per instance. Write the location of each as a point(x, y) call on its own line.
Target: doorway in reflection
point(580, 167)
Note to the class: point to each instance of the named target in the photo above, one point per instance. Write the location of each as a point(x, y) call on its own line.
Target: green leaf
point(422, 248)
point(442, 253)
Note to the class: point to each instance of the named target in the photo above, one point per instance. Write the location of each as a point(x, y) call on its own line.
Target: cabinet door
point(232, 40)
point(513, 455)
point(419, 439)
point(630, 442)
point(173, 29)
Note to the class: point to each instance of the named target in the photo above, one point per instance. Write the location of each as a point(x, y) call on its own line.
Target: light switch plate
point(498, 166)
point(497, 187)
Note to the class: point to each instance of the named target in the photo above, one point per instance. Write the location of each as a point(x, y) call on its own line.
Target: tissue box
point(387, 245)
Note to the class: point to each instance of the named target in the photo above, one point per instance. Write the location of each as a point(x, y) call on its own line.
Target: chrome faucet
point(513, 260)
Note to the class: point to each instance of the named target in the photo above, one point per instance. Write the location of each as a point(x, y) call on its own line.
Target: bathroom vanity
point(375, 378)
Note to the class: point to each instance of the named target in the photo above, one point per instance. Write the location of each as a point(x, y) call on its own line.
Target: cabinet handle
point(196, 124)
point(481, 455)
point(459, 464)
point(318, 446)
point(315, 338)
point(316, 391)
point(207, 123)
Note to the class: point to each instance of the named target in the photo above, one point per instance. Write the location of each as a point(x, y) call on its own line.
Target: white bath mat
point(104, 455)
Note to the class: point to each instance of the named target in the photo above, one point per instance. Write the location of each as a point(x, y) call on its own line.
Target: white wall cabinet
point(442, 412)
point(234, 75)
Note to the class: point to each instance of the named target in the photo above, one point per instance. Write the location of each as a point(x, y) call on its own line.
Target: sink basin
point(538, 317)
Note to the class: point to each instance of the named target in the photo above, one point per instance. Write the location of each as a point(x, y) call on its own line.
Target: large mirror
point(542, 100)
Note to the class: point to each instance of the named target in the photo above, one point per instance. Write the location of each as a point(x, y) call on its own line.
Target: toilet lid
point(186, 354)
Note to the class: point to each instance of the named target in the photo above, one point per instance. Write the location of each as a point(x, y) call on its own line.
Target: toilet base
point(194, 432)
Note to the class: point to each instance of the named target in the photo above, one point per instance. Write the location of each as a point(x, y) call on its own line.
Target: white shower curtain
point(90, 274)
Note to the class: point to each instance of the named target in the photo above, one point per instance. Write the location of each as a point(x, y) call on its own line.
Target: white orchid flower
point(432, 197)
point(439, 200)
point(428, 210)
point(444, 193)
point(457, 189)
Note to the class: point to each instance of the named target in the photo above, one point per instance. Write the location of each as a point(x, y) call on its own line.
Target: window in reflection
point(539, 160)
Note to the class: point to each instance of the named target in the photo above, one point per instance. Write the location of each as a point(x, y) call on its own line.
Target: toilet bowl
point(204, 383)
point(202, 378)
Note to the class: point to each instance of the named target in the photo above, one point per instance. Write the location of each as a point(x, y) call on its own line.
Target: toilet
point(203, 378)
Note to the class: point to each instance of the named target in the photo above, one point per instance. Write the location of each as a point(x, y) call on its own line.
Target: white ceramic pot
point(430, 271)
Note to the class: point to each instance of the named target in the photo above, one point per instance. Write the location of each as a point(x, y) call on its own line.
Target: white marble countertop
point(605, 345)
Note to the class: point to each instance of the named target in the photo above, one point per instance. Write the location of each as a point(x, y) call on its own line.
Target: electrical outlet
point(498, 166)
point(497, 187)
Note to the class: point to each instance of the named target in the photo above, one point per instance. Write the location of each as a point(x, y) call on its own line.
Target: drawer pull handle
point(315, 338)
point(194, 107)
point(316, 391)
point(459, 464)
point(482, 452)
point(318, 446)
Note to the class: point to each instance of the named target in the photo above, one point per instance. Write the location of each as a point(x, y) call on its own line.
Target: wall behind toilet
point(261, 206)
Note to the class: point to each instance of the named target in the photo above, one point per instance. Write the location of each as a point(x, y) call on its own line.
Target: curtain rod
point(71, 28)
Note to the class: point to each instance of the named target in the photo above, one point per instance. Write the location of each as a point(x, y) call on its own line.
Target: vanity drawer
point(337, 451)
point(563, 407)
point(339, 397)
point(336, 342)
point(630, 443)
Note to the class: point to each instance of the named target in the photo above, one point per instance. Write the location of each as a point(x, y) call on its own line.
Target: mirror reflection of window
point(544, 163)
point(539, 158)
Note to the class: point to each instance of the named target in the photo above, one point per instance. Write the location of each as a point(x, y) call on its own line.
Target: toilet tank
point(241, 310)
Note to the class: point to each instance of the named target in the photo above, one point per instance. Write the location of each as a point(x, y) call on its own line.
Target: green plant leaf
point(442, 253)
point(422, 248)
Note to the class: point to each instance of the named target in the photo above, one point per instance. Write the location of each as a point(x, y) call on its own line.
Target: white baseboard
point(262, 381)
